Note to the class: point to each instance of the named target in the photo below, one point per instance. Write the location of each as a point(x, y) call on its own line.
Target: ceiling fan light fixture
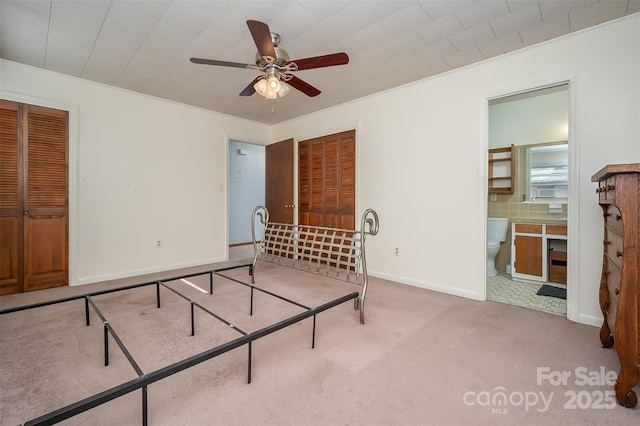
point(274, 83)
point(261, 87)
point(270, 87)
point(273, 87)
point(284, 89)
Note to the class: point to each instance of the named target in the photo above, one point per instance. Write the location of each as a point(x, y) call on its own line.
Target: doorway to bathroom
point(531, 263)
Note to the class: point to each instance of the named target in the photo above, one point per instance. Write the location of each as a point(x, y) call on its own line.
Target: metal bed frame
point(145, 379)
point(330, 252)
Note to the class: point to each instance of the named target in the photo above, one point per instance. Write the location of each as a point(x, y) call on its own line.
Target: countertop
point(549, 221)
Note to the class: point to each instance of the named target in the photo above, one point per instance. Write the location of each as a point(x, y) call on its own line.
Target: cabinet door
point(528, 255)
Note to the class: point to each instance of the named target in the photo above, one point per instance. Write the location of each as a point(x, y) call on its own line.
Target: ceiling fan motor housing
point(282, 56)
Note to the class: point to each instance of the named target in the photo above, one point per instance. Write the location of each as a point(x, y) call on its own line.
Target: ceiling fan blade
point(249, 90)
point(219, 63)
point(303, 86)
point(322, 61)
point(262, 37)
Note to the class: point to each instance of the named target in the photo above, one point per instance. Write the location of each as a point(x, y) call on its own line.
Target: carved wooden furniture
point(619, 197)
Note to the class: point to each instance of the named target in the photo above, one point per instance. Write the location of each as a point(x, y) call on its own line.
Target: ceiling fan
point(275, 65)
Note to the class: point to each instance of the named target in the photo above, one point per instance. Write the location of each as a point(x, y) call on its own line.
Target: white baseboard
point(590, 320)
point(469, 294)
point(134, 273)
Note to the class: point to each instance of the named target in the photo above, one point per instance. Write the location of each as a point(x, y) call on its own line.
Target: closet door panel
point(45, 199)
point(326, 185)
point(347, 213)
point(10, 203)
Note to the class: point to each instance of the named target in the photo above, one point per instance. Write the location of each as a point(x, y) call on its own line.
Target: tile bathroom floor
point(502, 289)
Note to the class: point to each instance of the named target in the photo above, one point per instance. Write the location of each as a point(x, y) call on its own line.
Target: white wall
point(422, 157)
point(141, 170)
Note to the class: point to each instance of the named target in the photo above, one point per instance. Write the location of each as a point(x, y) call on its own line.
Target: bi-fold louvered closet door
point(326, 181)
point(33, 197)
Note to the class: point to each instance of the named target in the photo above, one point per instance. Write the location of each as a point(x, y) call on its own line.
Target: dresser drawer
point(613, 285)
point(602, 190)
point(607, 190)
point(613, 220)
point(611, 188)
point(614, 248)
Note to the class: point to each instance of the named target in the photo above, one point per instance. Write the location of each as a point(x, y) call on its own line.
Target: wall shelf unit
point(501, 170)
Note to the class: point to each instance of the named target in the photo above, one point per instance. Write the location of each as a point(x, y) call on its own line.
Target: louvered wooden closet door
point(326, 181)
point(10, 205)
point(35, 217)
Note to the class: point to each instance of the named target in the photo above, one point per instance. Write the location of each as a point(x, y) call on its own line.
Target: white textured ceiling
point(145, 46)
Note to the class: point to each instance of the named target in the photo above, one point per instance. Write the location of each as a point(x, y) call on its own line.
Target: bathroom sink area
point(558, 221)
point(539, 251)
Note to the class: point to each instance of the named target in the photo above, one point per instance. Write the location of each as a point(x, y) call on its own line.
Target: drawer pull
point(611, 187)
point(618, 253)
point(618, 217)
point(617, 291)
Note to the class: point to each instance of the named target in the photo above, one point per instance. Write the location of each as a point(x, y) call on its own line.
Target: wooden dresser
point(619, 197)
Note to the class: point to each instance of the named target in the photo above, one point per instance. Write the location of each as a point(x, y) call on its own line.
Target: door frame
point(72, 110)
point(573, 223)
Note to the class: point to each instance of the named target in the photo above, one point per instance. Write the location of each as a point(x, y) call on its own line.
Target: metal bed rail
point(143, 379)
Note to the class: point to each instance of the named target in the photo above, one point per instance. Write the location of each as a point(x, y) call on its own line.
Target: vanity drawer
point(613, 248)
point(613, 220)
point(556, 230)
point(528, 228)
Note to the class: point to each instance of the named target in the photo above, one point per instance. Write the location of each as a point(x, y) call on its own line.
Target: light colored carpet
point(422, 358)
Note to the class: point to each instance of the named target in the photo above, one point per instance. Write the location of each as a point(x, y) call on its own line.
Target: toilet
point(497, 228)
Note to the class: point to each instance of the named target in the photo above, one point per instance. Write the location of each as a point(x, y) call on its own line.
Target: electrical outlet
point(159, 244)
point(396, 251)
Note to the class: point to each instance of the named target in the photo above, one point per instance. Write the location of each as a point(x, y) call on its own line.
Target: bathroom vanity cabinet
point(539, 252)
point(619, 197)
